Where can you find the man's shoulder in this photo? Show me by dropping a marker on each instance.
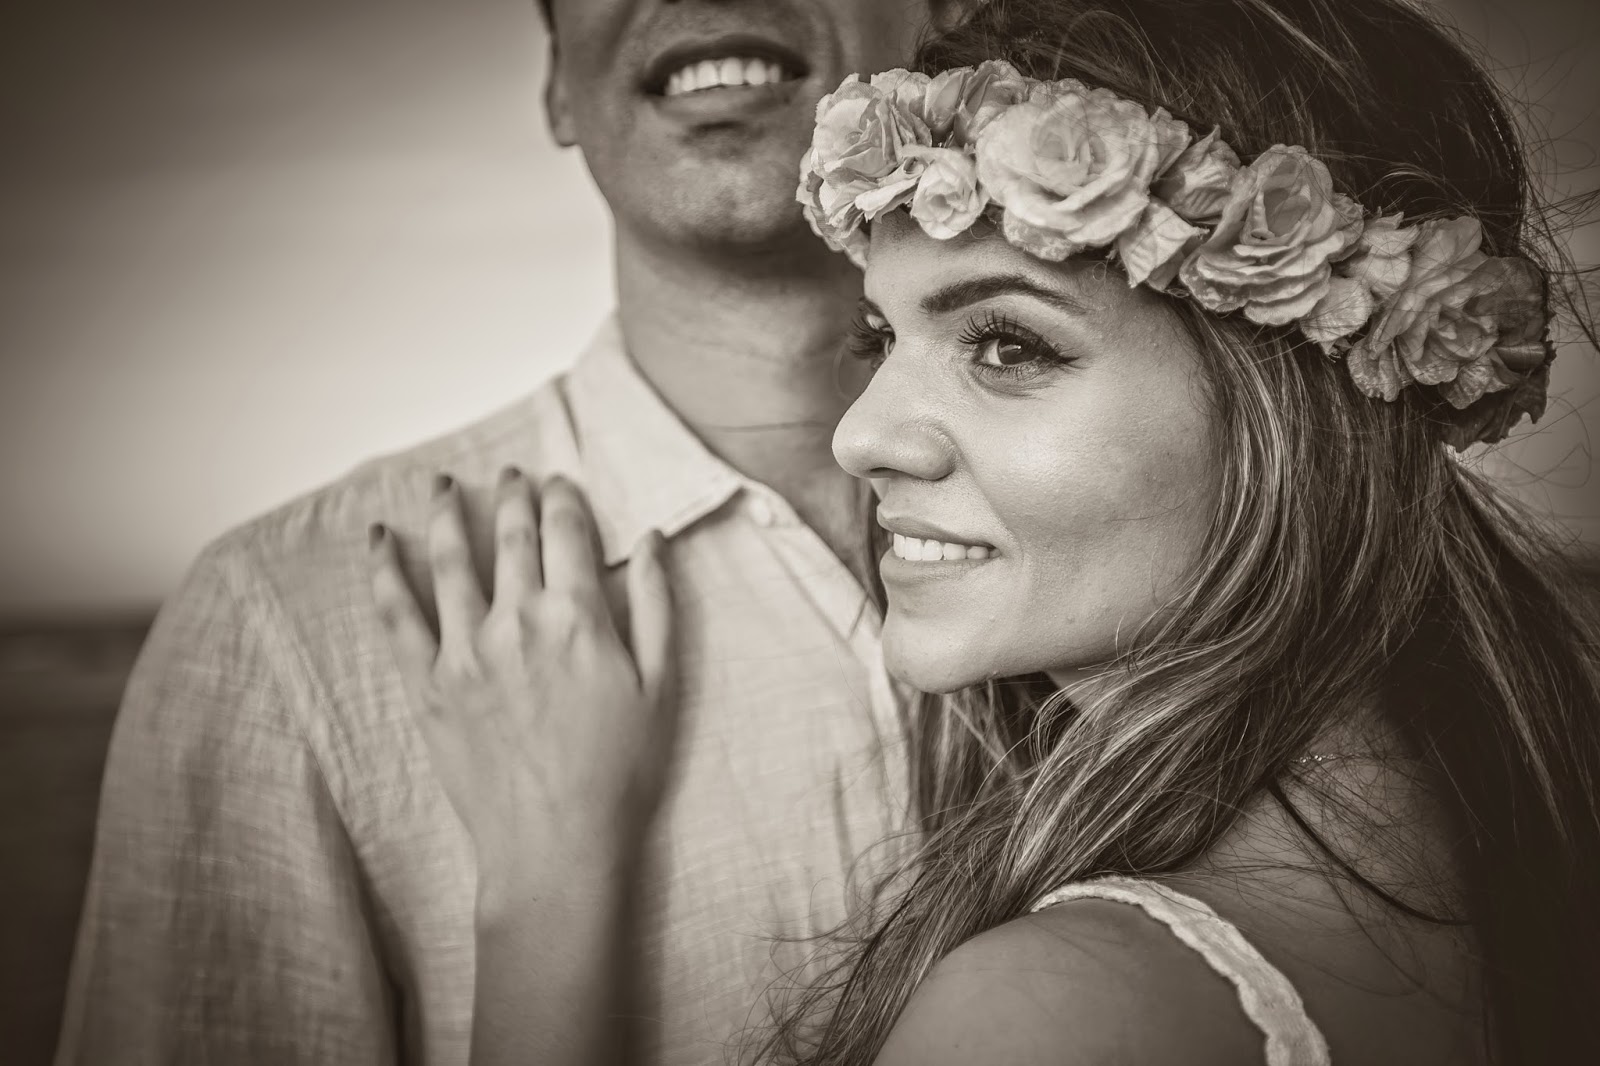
(303, 564)
(534, 432)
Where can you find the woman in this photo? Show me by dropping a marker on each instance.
(1177, 316)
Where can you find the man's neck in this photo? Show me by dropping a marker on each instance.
(749, 355)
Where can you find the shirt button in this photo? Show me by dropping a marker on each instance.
(761, 511)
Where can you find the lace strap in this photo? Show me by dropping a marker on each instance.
(1270, 1001)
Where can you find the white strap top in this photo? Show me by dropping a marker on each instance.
(1270, 1001)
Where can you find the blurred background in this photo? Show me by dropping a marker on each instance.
(244, 246)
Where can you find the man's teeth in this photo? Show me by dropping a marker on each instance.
(714, 73)
(917, 550)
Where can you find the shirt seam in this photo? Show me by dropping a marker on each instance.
(252, 595)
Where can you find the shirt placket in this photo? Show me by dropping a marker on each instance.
(839, 599)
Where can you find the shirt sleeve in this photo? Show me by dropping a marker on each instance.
(224, 920)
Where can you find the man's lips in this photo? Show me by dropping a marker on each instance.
(688, 55)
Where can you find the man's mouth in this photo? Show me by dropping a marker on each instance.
(732, 72)
(736, 61)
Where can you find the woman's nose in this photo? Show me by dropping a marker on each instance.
(890, 429)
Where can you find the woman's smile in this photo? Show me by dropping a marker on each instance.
(919, 541)
(928, 550)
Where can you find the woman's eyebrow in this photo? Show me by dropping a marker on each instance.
(969, 291)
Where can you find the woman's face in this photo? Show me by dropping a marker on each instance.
(1040, 441)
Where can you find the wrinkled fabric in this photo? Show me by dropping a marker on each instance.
(278, 877)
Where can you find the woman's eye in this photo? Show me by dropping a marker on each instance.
(1003, 347)
(1004, 351)
(871, 339)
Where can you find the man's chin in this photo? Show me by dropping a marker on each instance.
(724, 183)
(714, 215)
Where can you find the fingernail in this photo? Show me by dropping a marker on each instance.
(443, 483)
(375, 534)
(510, 473)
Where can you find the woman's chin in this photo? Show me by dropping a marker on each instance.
(929, 669)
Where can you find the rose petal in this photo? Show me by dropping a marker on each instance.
(1472, 381)
(905, 87)
(1171, 141)
(1275, 239)
(1044, 243)
(940, 100)
(1292, 299)
(948, 199)
(1510, 297)
(1197, 182)
(1343, 309)
(994, 86)
(1382, 257)
(891, 193)
(1072, 167)
(1153, 249)
(1438, 353)
(1493, 416)
(1376, 372)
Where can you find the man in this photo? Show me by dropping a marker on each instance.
(278, 876)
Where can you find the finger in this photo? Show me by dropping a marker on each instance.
(401, 617)
(455, 585)
(567, 539)
(650, 617)
(516, 539)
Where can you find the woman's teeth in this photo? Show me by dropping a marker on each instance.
(917, 550)
(715, 73)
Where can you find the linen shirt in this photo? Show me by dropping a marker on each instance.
(278, 876)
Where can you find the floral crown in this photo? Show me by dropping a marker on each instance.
(1062, 168)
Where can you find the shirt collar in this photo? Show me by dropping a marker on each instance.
(641, 466)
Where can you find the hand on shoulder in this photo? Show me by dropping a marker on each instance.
(542, 720)
(1086, 983)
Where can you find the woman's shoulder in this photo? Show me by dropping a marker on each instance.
(1086, 982)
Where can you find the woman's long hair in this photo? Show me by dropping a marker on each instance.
(1351, 553)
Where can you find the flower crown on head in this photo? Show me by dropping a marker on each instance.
(1062, 168)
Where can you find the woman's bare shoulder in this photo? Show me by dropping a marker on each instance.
(1085, 983)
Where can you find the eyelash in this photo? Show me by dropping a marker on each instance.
(991, 326)
(868, 342)
(872, 343)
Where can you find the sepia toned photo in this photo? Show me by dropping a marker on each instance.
(778, 532)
